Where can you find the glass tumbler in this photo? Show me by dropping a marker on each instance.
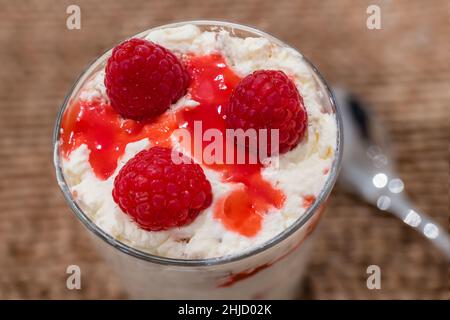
(272, 270)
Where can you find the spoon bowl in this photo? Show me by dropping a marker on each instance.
(368, 169)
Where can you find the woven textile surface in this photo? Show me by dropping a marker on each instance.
(402, 71)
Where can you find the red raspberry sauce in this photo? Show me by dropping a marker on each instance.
(106, 134)
(242, 210)
(308, 201)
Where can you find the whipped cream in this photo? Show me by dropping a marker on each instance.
(299, 173)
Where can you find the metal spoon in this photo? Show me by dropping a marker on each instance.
(368, 170)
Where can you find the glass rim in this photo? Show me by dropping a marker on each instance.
(127, 249)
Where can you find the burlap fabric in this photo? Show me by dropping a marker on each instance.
(402, 71)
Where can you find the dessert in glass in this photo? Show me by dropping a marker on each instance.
(143, 158)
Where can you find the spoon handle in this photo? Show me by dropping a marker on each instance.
(402, 208)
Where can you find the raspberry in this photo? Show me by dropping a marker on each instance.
(268, 99)
(143, 79)
(159, 194)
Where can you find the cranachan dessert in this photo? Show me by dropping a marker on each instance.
(178, 93)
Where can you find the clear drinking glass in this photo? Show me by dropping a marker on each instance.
(272, 270)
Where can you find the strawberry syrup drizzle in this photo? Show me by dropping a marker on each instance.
(308, 201)
(106, 133)
(243, 209)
